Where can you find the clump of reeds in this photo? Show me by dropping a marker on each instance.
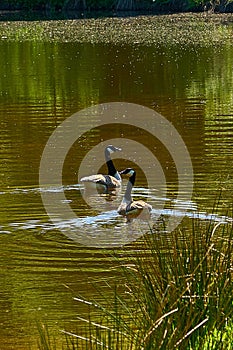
(177, 294)
(46, 343)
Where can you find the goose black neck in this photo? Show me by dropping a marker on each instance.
(129, 187)
(132, 178)
(110, 165)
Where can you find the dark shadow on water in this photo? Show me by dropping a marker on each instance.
(21, 15)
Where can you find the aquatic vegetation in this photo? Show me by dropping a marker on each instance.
(177, 293)
(182, 29)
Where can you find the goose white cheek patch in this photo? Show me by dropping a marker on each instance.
(146, 158)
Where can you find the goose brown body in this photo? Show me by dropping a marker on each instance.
(129, 207)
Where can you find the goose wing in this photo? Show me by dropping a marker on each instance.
(105, 180)
(137, 206)
(122, 209)
(98, 178)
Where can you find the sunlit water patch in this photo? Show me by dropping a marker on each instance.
(105, 228)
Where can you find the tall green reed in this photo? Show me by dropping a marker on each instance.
(177, 293)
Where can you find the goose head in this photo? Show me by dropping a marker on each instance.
(128, 172)
(111, 149)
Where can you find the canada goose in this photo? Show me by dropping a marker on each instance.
(128, 206)
(104, 183)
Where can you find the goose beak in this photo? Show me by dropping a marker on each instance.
(118, 149)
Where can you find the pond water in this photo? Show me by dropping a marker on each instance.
(43, 84)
